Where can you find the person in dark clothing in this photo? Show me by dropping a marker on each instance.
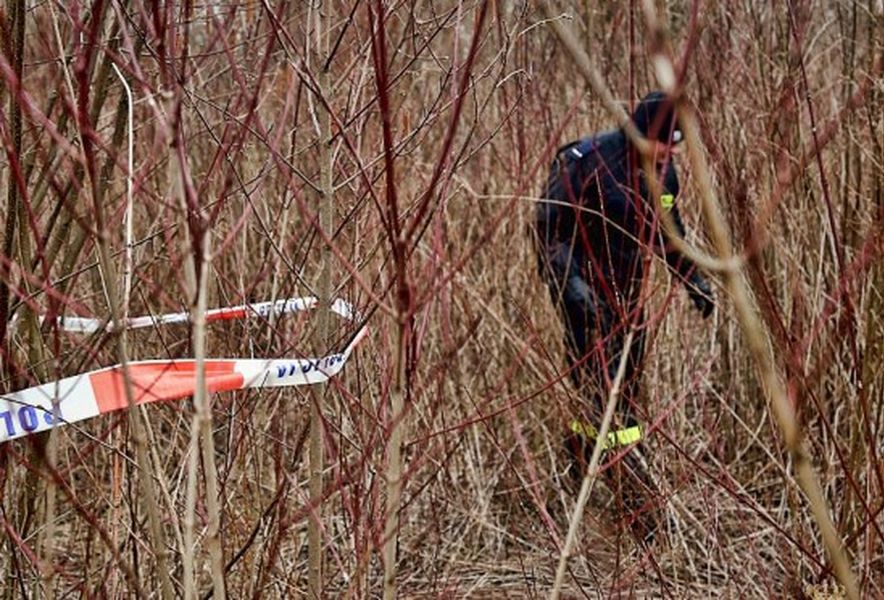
(596, 228)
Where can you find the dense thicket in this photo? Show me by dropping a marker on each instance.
(389, 153)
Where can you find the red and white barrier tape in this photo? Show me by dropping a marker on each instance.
(243, 311)
(84, 396)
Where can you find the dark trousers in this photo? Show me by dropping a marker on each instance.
(595, 335)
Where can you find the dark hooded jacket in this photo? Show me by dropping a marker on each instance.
(596, 219)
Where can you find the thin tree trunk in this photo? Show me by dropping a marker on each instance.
(201, 440)
(322, 332)
(13, 42)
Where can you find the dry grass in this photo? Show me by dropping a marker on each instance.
(431, 240)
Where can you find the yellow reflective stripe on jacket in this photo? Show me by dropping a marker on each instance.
(617, 438)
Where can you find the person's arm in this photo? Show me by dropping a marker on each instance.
(556, 224)
(697, 287)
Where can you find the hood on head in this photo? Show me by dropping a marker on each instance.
(655, 118)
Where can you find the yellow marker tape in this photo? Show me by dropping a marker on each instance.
(615, 439)
(667, 201)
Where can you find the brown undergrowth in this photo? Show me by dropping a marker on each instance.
(439, 120)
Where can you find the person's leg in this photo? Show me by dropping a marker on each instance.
(608, 340)
(630, 385)
(584, 316)
(579, 309)
(637, 494)
(596, 336)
